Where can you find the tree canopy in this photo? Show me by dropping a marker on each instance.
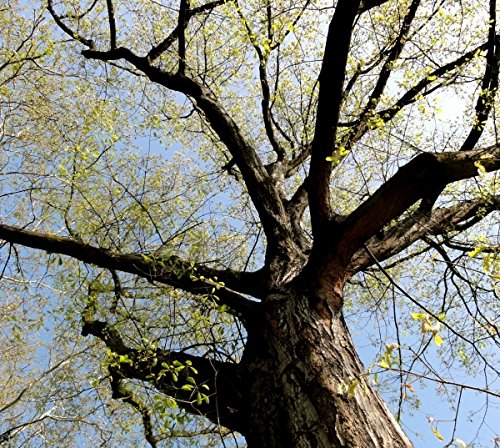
(178, 176)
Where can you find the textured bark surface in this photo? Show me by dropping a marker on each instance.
(300, 382)
(302, 367)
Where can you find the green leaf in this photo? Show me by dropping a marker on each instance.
(480, 167)
(352, 388)
(343, 151)
(438, 340)
(476, 251)
(124, 359)
(384, 364)
(437, 434)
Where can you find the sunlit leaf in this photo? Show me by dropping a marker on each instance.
(437, 434)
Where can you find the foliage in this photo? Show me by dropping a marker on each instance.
(150, 147)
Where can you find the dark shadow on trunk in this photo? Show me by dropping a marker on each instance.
(306, 384)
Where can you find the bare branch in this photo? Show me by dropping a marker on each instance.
(393, 54)
(87, 42)
(122, 392)
(263, 56)
(261, 186)
(293, 24)
(165, 44)
(450, 328)
(420, 88)
(37, 380)
(266, 111)
(448, 382)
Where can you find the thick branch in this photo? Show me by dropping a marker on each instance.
(412, 182)
(225, 388)
(366, 5)
(262, 189)
(182, 25)
(331, 80)
(112, 23)
(191, 277)
(417, 226)
(165, 44)
(298, 161)
(296, 208)
(489, 84)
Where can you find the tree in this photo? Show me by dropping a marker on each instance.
(313, 170)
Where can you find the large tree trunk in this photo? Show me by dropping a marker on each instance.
(302, 366)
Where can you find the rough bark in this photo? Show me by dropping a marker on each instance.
(300, 382)
(302, 372)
